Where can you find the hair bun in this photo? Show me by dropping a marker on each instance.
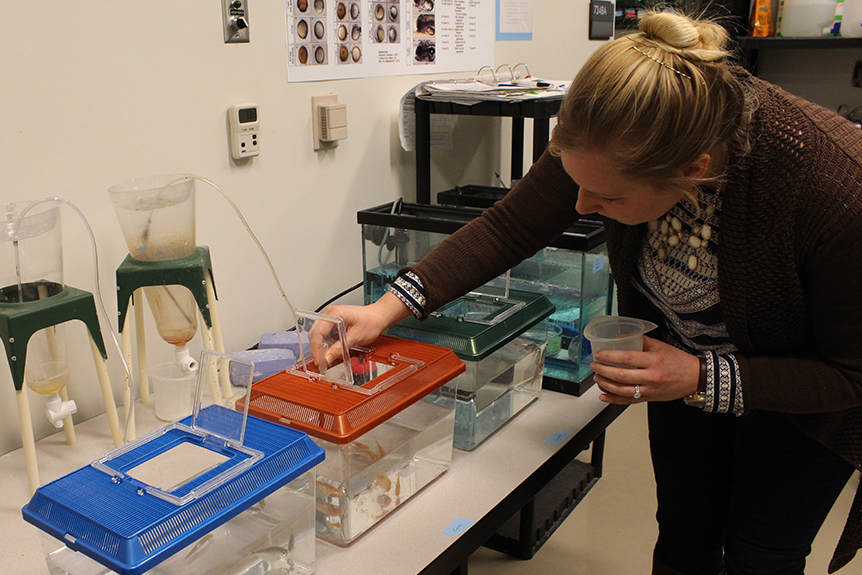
(695, 39)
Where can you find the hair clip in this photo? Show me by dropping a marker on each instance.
(661, 63)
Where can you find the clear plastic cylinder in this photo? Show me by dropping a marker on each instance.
(31, 252)
(157, 216)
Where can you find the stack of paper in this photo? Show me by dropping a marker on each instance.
(471, 91)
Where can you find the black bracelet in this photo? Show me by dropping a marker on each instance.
(704, 370)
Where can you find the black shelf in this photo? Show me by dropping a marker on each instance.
(541, 110)
(773, 42)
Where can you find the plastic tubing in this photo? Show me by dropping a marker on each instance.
(257, 243)
(17, 223)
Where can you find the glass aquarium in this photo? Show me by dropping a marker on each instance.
(573, 273)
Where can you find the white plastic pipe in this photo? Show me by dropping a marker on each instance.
(57, 410)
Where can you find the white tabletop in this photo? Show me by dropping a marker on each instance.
(404, 543)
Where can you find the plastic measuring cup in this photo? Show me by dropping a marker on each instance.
(615, 332)
(172, 390)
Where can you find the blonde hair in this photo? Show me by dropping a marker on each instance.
(656, 100)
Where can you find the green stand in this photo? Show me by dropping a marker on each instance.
(19, 321)
(191, 272)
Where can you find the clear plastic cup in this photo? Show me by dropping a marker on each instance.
(615, 332)
(172, 391)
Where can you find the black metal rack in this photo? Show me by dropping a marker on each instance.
(541, 110)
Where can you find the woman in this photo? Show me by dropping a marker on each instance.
(733, 216)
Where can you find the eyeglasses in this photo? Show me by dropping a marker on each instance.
(504, 74)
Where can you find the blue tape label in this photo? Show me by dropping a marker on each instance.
(457, 527)
(558, 437)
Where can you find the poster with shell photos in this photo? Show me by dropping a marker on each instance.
(338, 39)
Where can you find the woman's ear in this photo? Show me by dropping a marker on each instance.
(696, 170)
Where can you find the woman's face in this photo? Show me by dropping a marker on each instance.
(610, 194)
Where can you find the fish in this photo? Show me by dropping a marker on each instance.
(384, 500)
(383, 482)
(327, 490)
(328, 509)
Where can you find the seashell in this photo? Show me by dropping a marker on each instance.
(319, 30)
(343, 53)
(696, 230)
(662, 254)
(379, 12)
(653, 225)
(710, 210)
(342, 32)
(664, 228)
(341, 10)
(692, 262)
(356, 53)
(303, 55)
(393, 34)
(302, 5)
(706, 232)
(302, 29)
(673, 240)
(694, 242)
(381, 34)
(677, 225)
(319, 55)
(393, 12)
(318, 6)
(354, 10)
(356, 32)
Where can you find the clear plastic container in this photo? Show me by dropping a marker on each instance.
(618, 333)
(31, 252)
(216, 493)
(573, 273)
(275, 535)
(157, 216)
(502, 342)
(386, 423)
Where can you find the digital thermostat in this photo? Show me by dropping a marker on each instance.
(243, 124)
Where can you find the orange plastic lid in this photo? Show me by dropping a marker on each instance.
(389, 376)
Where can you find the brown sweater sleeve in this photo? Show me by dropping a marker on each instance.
(534, 213)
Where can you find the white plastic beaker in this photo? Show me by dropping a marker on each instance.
(807, 18)
(172, 388)
(617, 333)
(851, 20)
(157, 216)
(31, 252)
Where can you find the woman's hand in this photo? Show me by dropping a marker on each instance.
(661, 372)
(363, 323)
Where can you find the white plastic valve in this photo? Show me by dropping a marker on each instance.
(57, 410)
(184, 360)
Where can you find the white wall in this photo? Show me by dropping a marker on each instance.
(99, 93)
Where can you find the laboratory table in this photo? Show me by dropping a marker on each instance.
(434, 533)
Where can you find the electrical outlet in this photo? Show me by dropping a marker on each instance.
(235, 19)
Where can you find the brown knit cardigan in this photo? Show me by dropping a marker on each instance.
(790, 267)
